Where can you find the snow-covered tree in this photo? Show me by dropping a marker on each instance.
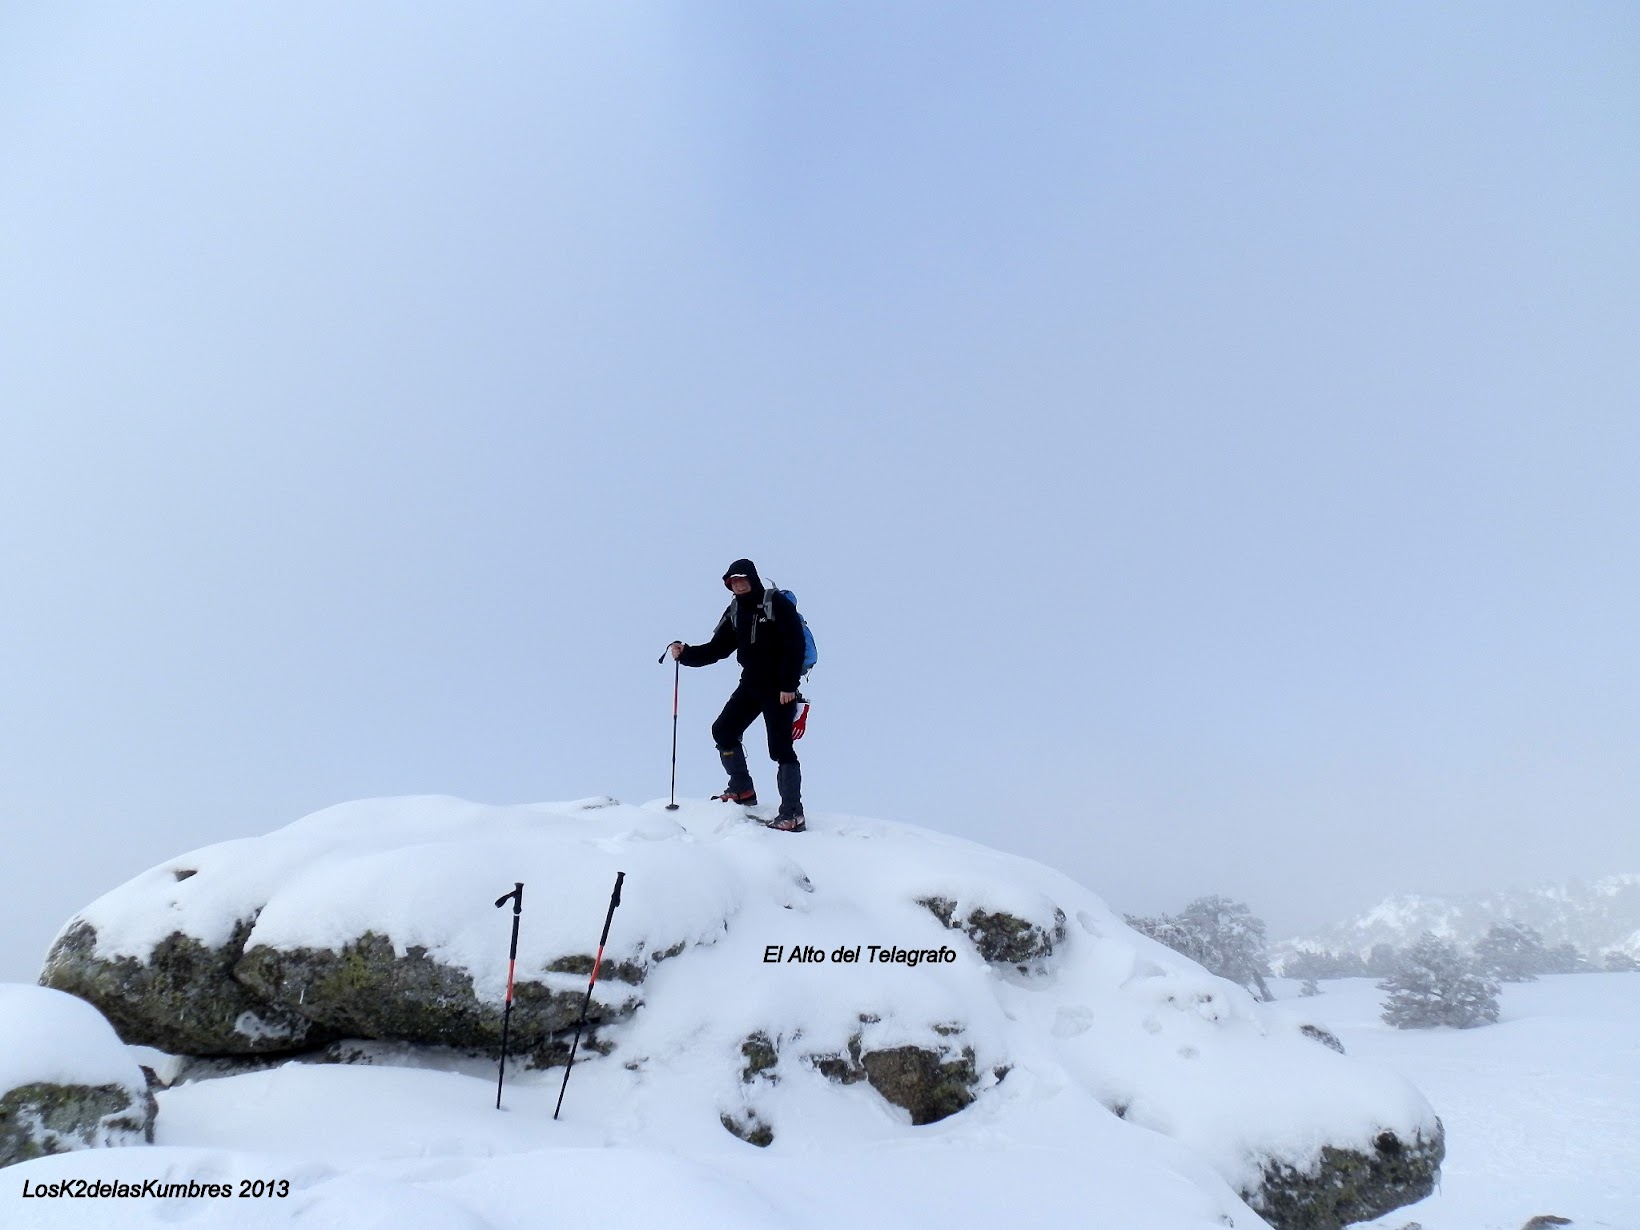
(1324, 964)
(1217, 933)
(1511, 952)
(1565, 959)
(1382, 960)
(1170, 930)
(1435, 984)
(1622, 963)
(1308, 988)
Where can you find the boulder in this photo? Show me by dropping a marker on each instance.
(748, 1126)
(367, 934)
(66, 1080)
(1001, 938)
(931, 1082)
(374, 921)
(45, 1117)
(182, 998)
(1324, 1036)
(368, 989)
(1344, 1186)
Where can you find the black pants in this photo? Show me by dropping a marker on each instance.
(742, 708)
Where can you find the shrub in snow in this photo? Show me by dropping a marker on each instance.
(1219, 934)
(1308, 988)
(1511, 952)
(66, 1080)
(1436, 985)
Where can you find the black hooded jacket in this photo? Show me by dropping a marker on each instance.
(766, 637)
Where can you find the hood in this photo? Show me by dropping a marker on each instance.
(745, 568)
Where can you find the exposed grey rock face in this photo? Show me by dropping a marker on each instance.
(366, 990)
(931, 1083)
(183, 1000)
(748, 1127)
(1326, 1037)
(761, 1058)
(42, 1118)
(190, 999)
(1348, 1185)
(1001, 938)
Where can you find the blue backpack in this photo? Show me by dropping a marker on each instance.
(811, 655)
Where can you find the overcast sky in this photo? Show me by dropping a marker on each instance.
(1203, 437)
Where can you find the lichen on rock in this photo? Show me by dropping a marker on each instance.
(762, 1057)
(748, 1127)
(42, 1118)
(1001, 938)
(183, 999)
(367, 989)
(1344, 1186)
(931, 1083)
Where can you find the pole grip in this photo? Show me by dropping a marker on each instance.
(614, 901)
(516, 897)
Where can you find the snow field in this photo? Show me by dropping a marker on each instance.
(1542, 1109)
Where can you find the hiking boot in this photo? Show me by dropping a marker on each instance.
(788, 824)
(790, 777)
(740, 789)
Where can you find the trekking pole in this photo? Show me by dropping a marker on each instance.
(677, 668)
(614, 900)
(517, 898)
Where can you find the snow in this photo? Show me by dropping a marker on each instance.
(1539, 1110)
(1207, 1083)
(413, 869)
(426, 1151)
(1542, 1110)
(48, 1037)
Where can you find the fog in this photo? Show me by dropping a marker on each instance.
(1202, 440)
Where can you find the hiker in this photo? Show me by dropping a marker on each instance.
(764, 631)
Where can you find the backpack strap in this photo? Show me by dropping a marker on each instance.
(766, 606)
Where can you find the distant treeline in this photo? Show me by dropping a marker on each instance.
(1510, 951)
(1228, 939)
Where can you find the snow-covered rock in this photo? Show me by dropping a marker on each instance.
(66, 1080)
(763, 982)
(368, 921)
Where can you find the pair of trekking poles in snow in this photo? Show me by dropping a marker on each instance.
(517, 898)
